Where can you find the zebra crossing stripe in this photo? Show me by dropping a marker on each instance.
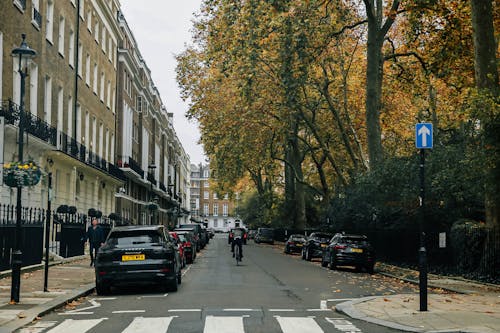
(298, 325)
(76, 326)
(218, 324)
(147, 325)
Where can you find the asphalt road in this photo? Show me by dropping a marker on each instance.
(269, 292)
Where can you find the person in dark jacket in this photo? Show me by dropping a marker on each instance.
(95, 236)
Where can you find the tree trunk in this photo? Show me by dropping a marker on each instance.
(486, 74)
(487, 82)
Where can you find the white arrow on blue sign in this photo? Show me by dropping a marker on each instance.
(423, 135)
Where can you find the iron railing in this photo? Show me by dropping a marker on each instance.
(162, 187)
(151, 178)
(129, 162)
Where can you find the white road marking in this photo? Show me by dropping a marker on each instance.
(322, 304)
(152, 296)
(240, 310)
(339, 299)
(184, 310)
(105, 299)
(343, 325)
(71, 313)
(147, 325)
(224, 324)
(298, 325)
(129, 311)
(281, 310)
(186, 270)
(38, 327)
(315, 310)
(76, 326)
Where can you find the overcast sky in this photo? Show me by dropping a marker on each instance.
(162, 29)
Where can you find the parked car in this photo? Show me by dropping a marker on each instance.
(137, 255)
(313, 247)
(295, 243)
(205, 235)
(264, 235)
(231, 235)
(251, 233)
(189, 245)
(200, 240)
(211, 232)
(194, 237)
(180, 246)
(349, 250)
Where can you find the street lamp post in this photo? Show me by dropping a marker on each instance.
(23, 53)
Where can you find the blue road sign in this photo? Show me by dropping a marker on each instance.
(423, 135)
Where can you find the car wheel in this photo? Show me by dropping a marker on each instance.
(287, 250)
(370, 269)
(102, 288)
(173, 285)
(303, 254)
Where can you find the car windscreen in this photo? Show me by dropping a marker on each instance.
(359, 240)
(133, 238)
(322, 237)
(267, 232)
(297, 238)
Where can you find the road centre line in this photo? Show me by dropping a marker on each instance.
(184, 310)
(314, 310)
(281, 310)
(240, 310)
(339, 299)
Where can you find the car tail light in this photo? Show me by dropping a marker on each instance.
(187, 244)
(101, 273)
(339, 247)
(165, 270)
(292, 243)
(245, 236)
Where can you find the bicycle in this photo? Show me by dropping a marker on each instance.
(237, 254)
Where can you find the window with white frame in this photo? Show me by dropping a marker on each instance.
(49, 21)
(103, 41)
(94, 84)
(101, 95)
(71, 48)
(225, 209)
(47, 104)
(113, 101)
(215, 196)
(108, 95)
(216, 209)
(62, 22)
(36, 16)
(206, 195)
(206, 184)
(82, 8)
(87, 70)
(226, 196)
(80, 60)
(205, 209)
(96, 31)
(89, 20)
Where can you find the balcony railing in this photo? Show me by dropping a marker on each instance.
(162, 187)
(40, 129)
(129, 162)
(31, 123)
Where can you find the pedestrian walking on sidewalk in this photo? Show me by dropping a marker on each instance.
(95, 236)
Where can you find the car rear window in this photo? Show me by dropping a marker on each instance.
(182, 238)
(131, 238)
(322, 237)
(354, 240)
(267, 232)
(298, 238)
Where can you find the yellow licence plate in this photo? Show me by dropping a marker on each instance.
(357, 250)
(130, 257)
(324, 245)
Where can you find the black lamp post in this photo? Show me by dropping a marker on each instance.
(24, 53)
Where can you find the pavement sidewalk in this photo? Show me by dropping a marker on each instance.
(68, 280)
(454, 305)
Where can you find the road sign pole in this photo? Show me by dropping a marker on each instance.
(422, 252)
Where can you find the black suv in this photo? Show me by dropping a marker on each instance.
(349, 250)
(138, 255)
(313, 247)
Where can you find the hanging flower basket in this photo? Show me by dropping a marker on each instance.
(21, 174)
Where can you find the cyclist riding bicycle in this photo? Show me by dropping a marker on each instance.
(238, 240)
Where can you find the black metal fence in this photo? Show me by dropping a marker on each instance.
(66, 234)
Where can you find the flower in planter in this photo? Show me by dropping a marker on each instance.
(21, 174)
